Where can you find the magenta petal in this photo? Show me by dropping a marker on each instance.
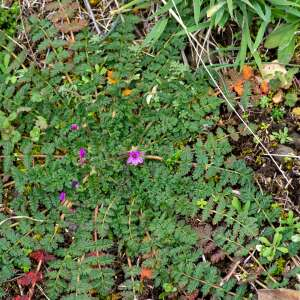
(82, 153)
(62, 196)
(140, 160)
(74, 127)
(135, 158)
(130, 161)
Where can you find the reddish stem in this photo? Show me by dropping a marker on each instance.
(31, 290)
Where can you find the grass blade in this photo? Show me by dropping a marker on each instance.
(230, 7)
(281, 35)
(129, 5)
(260, 35)
(197, 6)
(165, 8)
(243, 50)
(194, 28)
(285, 54)
(284, 3)
(156, 32)
(214, 9)
(248, 3)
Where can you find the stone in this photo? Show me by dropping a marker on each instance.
(296, 140)
(278, 97)
(283, 151)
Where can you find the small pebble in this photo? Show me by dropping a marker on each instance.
(284, 151)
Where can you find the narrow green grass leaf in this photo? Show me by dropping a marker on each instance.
(219, 16)
(230, 7)
(156, 32)
(284, 3)
(248, 3)
(281, 35)
(197, 7)
(170, 4)
(131, 4)
(246, 32)
(194, 28)
(243, 51)
(257, 8)
(214, 9)
(260, 35)
(285, 54)
(293, 11)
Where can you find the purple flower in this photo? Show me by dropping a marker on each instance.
(135, 158)
(62, 196)
(74, 127)
(75, 184)
(82, 155)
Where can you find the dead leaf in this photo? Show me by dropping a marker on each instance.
(269, 70)
(296, 111)
(75, 26)
(135, 10)
(264, 87)
(116, 296)
(238, 87)
(247, 72)
(278, 294)
(191, 296)
(30, 278)
(146, 273)
(217, 256)
(41, 255)
(278, 97)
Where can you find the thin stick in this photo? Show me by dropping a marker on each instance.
(96, 211)
(154, 157)
(131, 277)
(231, 272)
(208, 283)
(8, 184)
(26, 36)
(31, 291)
(34, 155)
(283, 155)
(20, 217)
(42, 291)
(91, 14)
(242, 269)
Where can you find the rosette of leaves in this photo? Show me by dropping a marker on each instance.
(124, 218)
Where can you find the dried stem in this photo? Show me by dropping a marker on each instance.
(91, 14)
(31, 290)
